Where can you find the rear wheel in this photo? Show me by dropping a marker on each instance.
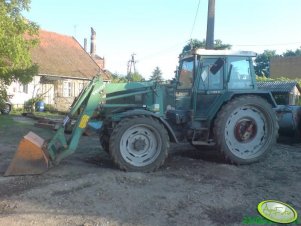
(139, 144)
(6, 109)
(245, 129)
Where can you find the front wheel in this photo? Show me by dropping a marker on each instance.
(245, 129)
(139, 143)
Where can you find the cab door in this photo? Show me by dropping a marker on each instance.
(209, 87)
(185, 84)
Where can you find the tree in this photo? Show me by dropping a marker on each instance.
(195, 43)
(156, 75)
(135, 77)
(117, 78)
(17, 37)
(262, 63)
(289, 53)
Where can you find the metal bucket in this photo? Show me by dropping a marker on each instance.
(30, 157)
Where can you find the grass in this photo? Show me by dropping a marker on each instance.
(6, 120)
(46, 114)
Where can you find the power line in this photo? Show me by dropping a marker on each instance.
(196, 14)
(165, 50)
(275, 44)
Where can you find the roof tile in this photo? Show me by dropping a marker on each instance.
(61, 55)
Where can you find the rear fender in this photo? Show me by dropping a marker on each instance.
(265, 95)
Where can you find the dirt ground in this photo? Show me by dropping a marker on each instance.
(190, 189)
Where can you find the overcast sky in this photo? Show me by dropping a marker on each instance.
(157, 30)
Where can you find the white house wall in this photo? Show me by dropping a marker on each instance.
(22, 93)
(59, 92)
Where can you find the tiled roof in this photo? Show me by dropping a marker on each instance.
(278, 86)
(61, 55)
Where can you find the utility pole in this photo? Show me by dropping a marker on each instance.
(131, 64)
(210, 25)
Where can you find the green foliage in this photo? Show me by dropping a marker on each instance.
(17, 37)
(17, 111)
(263, 79)
(156, 75)
(132, 77)
(2, 104)
(283, 79)
(135, 77)
(30, 104)
(289, 53)
(117, 78)
(262, 63)
(195, 44)
(50, 108)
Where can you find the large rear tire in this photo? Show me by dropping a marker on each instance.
(245, 129)
(139, 143)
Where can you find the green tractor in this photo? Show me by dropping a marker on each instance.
(213, 101)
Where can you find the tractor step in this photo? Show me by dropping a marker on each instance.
(203, 143)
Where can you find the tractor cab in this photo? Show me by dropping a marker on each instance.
(205, 75)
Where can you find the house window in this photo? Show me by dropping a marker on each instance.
(67, 89)
(80, 87)
(25, 88)
(22, 88)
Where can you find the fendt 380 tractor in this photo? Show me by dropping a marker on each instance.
(212, 101)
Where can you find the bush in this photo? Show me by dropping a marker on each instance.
(50, 108)
(31, 103)
(17, 110)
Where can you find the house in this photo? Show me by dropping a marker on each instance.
(283, 92)
(64, 69)
(289, 67)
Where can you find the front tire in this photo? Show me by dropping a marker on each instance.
(245, 129)
(139, 143)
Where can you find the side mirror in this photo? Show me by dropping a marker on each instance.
(218, 64)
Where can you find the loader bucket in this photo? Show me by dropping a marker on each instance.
(30, 157)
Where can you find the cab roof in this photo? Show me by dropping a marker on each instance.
(211, 52)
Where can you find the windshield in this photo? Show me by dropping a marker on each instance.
(186, 74)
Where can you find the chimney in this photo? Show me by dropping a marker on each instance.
(85, 44)
(93, 43)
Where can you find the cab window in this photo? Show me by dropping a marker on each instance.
(239, 73)
(186, 74)
(209, 80)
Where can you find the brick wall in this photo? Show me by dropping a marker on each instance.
(289, 67)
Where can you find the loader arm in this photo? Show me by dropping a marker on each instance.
(59, 146)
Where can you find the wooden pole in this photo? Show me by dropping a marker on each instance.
(210, 25)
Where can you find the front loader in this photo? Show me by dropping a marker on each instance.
(213, 101)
